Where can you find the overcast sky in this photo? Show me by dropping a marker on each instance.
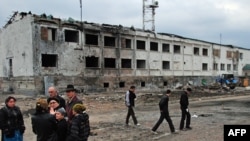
(218, 21)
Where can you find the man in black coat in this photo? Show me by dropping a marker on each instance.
(163, 105)
(53, 93)
(130, 103)
(184, 109)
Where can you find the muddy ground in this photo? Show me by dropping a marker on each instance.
(210, 110)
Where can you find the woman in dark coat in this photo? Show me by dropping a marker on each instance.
(79, 130)
(62, 124)
(43, 123)
(11, 121)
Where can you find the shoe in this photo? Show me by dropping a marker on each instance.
(175, 132)
(189, 128)
(183, 129)
(138, 124)
(154, 132)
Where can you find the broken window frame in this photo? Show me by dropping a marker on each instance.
(126, 63)
(205, 52)
(93, 63)
(108, 64)
(68, 36)
(216, 52)
(126, 43)
(140, 64)
(229, 54)
(48, 61)
(109, 41)
(94, 40)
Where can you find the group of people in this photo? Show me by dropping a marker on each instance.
(54, 119)
(164, 112)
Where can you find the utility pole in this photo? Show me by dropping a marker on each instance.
(148, 11)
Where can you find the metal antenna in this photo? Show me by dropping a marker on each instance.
(149, 13)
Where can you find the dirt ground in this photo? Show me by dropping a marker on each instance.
(107, 116)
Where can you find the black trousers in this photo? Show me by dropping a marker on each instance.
(131, 113)
(184, 115)
(164, 115)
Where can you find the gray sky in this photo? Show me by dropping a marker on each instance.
(198, 19)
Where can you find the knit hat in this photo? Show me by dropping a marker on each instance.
(62, 111)
(42, 104)
(79, 108)
(53, 98)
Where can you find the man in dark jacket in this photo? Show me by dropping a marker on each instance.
(130, 103)
(54, 94)
(184, 109)
(163, 105)
(72, 100)
(43, 123)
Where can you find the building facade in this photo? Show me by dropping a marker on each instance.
(39, 50)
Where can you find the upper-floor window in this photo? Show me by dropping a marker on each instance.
(140, 44)
(91, 39)
(48, 34)
(216, 52)
(196, 51)
(205, 52)
(126, 43)
(177, 49)
(140, 64)
(109, 41)
(154, 46)
(165, 48)
(229, 54)
(215, 66)
(165, 65)
(71, 36)
(204, 66)
(222, 66)
(92, 62)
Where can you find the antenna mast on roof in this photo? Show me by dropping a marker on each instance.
(149, 13)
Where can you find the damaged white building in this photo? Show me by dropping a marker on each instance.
(37, 51)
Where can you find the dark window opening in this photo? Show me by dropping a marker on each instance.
(126, 63)
(205, 52)
(204, 66)
(126, 43)
(105, 85)
(165, 83)
(141, 64)
(140, 44)
(91, 39)
(143, 84)
(92, 62)
(165, 48)
(71, 36)
(109, 62)
(196, 51)
(49, 60)
(122, 84)
(215, 66)
(177, 49)
(153, 46)
(166, 65)
(11, 68)
(109, 41)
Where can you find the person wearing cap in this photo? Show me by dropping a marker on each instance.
(43, 123)
(11, 121)
(54, 104)
(62, 125)
(72, 100)
(163, 105)
(53, 93)
(184, 109)
(79, 130)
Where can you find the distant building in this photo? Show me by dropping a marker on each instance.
(40, 50)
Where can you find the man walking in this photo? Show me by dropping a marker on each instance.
(130, 103)
(163, 105)
(184, 109)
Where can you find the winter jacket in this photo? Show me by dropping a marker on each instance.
(61, 131)
(69, 107)
(163, 104)
(184, 100)
(44, 126)
(79, 129)
(130, 98)
(11, 119)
